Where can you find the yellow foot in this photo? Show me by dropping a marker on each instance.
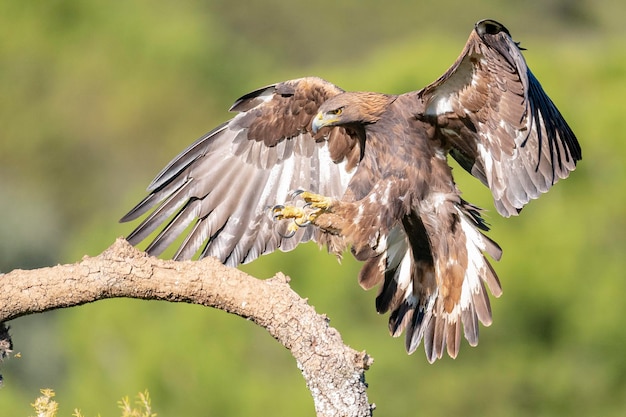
(302, 216)
(314, 200)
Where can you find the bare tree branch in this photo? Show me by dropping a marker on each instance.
(334, 372)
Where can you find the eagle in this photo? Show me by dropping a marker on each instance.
(305, 160)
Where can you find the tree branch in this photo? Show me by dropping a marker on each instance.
(334, 372)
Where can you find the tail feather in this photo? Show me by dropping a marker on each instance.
(397, 272)
(480, 306)
(433, 289)
(470, 325)
(453, 337)
(372, 273)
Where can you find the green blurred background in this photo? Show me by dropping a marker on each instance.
(96, 97)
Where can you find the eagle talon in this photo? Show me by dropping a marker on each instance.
(301, 216)
(296, 193)
(288, 235)
(314, 206)
(277, 212)
(307, 222)
(313, 200)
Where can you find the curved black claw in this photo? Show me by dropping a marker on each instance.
(295, 193)
(276, 215)
(306, 223)
(289, 235)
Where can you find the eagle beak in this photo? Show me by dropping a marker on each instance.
(324, 120)
(318, 123)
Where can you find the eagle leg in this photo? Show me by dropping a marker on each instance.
(314, 206)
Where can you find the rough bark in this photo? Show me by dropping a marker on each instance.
(334, 373)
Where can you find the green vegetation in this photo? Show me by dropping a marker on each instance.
(96, 97)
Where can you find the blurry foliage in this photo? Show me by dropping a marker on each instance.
(98, 96)
(45, 406)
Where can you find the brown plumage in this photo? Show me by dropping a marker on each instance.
(381, 161)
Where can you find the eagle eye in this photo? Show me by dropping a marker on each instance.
(336, 112)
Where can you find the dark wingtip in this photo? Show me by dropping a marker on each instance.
(250, 100)
(142, 207)
(490, 27)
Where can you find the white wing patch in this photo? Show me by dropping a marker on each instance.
(447, 93)
(439, 105)
(328, 176)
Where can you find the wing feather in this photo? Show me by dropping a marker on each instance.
(227, 180)
(501, 125)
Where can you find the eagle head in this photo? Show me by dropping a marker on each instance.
(352, 108)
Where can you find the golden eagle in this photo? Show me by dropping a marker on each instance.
(304, 160)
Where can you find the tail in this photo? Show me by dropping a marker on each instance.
(433, 273)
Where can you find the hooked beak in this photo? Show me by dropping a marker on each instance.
(320, 121)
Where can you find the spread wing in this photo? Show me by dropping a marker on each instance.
(226, 181)
(501, 125)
